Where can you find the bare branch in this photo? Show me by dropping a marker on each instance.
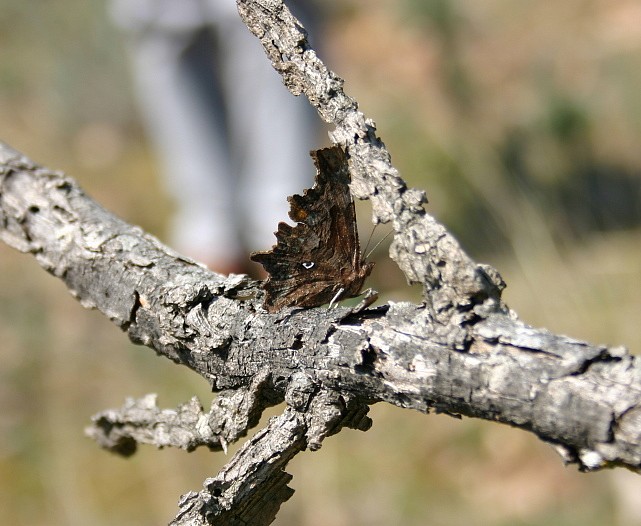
(496, 368)
(188, 427)
(422, 247)
(250, 488)
(253, 485)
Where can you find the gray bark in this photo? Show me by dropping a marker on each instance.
(461, 351)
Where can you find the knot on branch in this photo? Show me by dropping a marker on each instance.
(326, 411)
(253, 485)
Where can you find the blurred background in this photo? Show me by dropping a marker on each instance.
(521, 120)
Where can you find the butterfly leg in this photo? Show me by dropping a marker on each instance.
(336, 297)
(369, 297)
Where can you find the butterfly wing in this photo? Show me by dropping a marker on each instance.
(320, 257)
(294, 276)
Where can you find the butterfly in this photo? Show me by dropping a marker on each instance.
(319, 260)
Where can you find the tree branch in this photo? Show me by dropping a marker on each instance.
(462, 352)
(422, 247)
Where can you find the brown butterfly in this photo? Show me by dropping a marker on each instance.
(319, 260)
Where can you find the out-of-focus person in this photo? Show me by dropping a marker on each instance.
(232, 141)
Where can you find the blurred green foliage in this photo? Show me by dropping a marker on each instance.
(522, 121)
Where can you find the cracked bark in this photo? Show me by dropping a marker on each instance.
(462, 351)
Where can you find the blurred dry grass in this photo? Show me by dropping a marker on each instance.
(522, 120)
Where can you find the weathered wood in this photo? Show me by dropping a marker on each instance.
(580, 397)
(462, 351)
(422, 247)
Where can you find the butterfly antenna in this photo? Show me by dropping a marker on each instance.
(377, 244)
(369, 238)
